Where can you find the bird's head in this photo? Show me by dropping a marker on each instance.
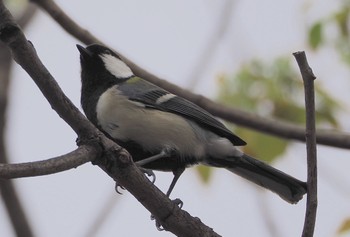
(99, 61)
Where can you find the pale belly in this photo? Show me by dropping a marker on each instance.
(154, 130)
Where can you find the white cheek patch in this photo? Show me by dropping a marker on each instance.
(116, 66)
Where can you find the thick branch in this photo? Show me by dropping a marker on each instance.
(9, 194)
(311, 204)
(267, 125)
(11, 34)
(71, 160)
(116, 161)
(171, 217)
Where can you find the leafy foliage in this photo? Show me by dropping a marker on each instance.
(271, 90)
(340, 40)
(275, 90)
(316, 35)
(344, 227)
(204, 173)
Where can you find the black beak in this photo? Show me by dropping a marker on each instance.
(84, 52)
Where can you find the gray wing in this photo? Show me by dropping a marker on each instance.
(157, 98)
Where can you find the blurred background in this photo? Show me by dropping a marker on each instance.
(236, 52)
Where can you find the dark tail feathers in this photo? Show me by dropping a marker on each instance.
(286, 186)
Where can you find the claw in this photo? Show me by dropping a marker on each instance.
(117, 186)
(178, 202)
(159, 226)
(149, 173)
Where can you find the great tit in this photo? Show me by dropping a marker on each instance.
(163, 131)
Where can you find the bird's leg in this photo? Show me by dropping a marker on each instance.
(148, 172)
(163, 153)
(177, 173)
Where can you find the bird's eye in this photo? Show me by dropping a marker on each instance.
(107, 52)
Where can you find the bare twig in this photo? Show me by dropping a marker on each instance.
(66, 22)
(267, 125)
(116, 162)
(311, 203)
(27, 15)
(100, 216)
(267, 218)
(71, 160)
(205, 57)
(15, 210)
(9, 194)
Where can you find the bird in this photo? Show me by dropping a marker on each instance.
(163, 131)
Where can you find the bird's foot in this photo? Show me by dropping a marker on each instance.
(117, 187)
(148, 172)
(178, 202)
(159, 226)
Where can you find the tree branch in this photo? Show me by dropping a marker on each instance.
(311, 204)
(116, 162)
(15, 210)
(100, 217)
(240, 117)
(211, 45)
(9, 194)
(81, 155)
(66, 22)
(27, 15)
(171, 217)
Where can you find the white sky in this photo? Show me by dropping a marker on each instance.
(167, 38)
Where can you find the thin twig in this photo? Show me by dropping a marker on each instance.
(9, 194)
(100, 216)
(64, 20)
(27, 16)
(17, 214)
(80, 156)
(240, 117)
(311, 203)
(206, 56)
(265, 210)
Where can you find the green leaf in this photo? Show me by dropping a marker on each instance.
(272, 90)
(344, 227)
(262, 146)
(315, 35)
(204, 173)
(341, 19)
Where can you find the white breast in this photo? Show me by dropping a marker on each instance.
(153, 129)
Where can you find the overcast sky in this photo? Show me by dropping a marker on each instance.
(168, 38)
